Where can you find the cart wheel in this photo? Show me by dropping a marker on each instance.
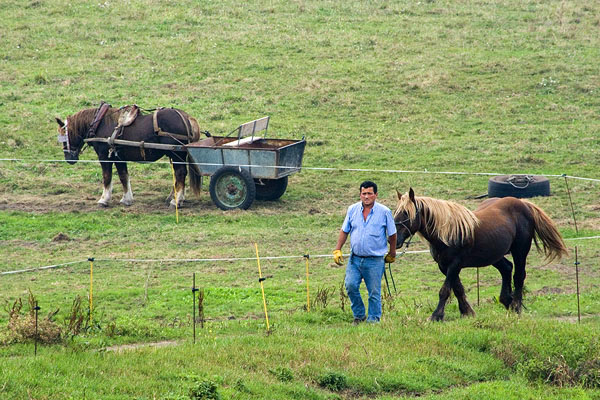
(270, 189)
(231, 187)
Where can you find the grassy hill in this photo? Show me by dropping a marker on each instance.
(423, 87)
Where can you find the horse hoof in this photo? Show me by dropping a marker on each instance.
(436, 318)
(102, 204)
(126, 203)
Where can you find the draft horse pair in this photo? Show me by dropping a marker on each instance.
(459, 238)
(106, 124)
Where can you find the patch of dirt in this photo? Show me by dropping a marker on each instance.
(548, 290)
(135, 346)
(70, 203)
(574, 318)
(61, 237)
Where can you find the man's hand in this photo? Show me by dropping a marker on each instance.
(338, 257)
(390, 258)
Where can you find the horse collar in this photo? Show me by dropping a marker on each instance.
(100, 113)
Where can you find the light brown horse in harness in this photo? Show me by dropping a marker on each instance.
(108, 126)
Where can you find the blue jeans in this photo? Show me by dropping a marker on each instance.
(371, 270)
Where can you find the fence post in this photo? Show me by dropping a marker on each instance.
(571, 202)
(91, 260)
(261, 279)
(175, 193)
(307, 256)
(577, 280)
(35, 339)
(477, 286)
(194, 290)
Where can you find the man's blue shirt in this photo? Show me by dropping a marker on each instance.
(369, 238)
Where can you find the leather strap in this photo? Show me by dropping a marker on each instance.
(177, 136)
(100, 113)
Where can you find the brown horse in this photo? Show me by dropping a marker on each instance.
(459, 238)
(107, 124)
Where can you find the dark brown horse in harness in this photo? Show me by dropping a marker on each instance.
(125, 134)
(459, 238)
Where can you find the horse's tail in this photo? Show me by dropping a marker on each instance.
(547, 232)
(195, 177)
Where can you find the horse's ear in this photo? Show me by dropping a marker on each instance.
(411, 195)
(399, 194)
(60, 123)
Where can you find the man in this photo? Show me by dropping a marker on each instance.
(371, 227)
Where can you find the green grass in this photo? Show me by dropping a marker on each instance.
(488, 86)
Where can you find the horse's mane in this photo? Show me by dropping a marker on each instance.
(450, 222)
(79, 123)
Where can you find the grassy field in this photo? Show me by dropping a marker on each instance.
(496, 87)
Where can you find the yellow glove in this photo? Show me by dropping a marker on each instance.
(338, 257)
(390, 258)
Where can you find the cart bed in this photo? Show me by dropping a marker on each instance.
(263, 158)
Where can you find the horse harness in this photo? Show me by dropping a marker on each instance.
(403, 223)
(128, 114)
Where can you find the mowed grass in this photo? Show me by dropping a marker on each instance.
(435, 86)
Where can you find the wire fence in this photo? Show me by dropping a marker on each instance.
(309, 168)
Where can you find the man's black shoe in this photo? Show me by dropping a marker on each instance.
(359, 320)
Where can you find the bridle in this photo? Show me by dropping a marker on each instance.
(66, 141)
(403, 224)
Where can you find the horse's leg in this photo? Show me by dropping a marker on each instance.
(519, 280)
(106, 183)
(461, 296)
(505, 268)
(179, 194)
(519, 253)
(445, 291)
(124, 177)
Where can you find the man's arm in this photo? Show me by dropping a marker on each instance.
(341, 240)
(337, 253)
(392, 242)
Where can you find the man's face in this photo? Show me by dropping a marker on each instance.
(367, 196)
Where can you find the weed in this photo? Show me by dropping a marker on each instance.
(23, 328)
(344, 299)
(588, 373)
(322, 297)
(333, 381)
(77, 318)
(205, 390)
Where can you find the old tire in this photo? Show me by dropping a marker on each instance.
(231, 187)
(519, 186)
(270, 189)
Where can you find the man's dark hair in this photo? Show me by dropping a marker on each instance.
(368, 184)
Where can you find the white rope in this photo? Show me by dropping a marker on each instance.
(190, 260)
(395, 171)
(40, 268)
(175, 260)
(584, 238)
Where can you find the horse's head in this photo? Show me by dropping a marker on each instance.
(406, 217)
(71, 142)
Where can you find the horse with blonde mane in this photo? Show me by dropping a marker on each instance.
(459, 238)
